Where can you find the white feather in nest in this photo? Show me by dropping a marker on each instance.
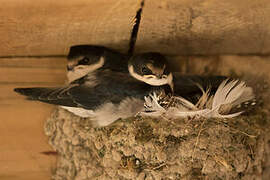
(228, 95)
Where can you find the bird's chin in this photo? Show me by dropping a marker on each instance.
(161, 81)
(156, 81)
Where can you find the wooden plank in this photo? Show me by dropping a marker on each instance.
(207, 27)
(21, 131)
(32, 70)
(29, 75)
(28, 62)
(50, 27)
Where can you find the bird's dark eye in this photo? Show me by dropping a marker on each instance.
(145, 70)
(85, 60)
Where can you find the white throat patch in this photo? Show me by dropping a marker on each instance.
(154, 81)
(81, 70)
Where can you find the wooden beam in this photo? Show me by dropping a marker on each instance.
(49, 27)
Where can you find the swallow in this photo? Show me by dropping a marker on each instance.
(151, 68)
(83, 59)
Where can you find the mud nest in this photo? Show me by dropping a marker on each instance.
(146, 148)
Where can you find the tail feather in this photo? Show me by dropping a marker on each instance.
(47, 95)
(33, 93)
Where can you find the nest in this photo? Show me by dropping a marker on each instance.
(158, 148)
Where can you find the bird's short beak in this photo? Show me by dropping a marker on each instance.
(159, 76)
(70, 68)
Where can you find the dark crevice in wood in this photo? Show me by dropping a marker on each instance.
(35, 56)
(31, 67)
(49, 153)
(172, 55)
(215, 54)
(135, 30)
(30, 83)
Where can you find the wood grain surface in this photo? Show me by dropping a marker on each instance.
(21, 130)
(173, 27)
(48, 27)
(207, 27)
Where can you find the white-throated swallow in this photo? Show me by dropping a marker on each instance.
(83, 59)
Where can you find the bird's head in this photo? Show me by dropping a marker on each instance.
(151, 68)
(83, 59)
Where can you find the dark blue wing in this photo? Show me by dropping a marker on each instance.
(85, 92)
